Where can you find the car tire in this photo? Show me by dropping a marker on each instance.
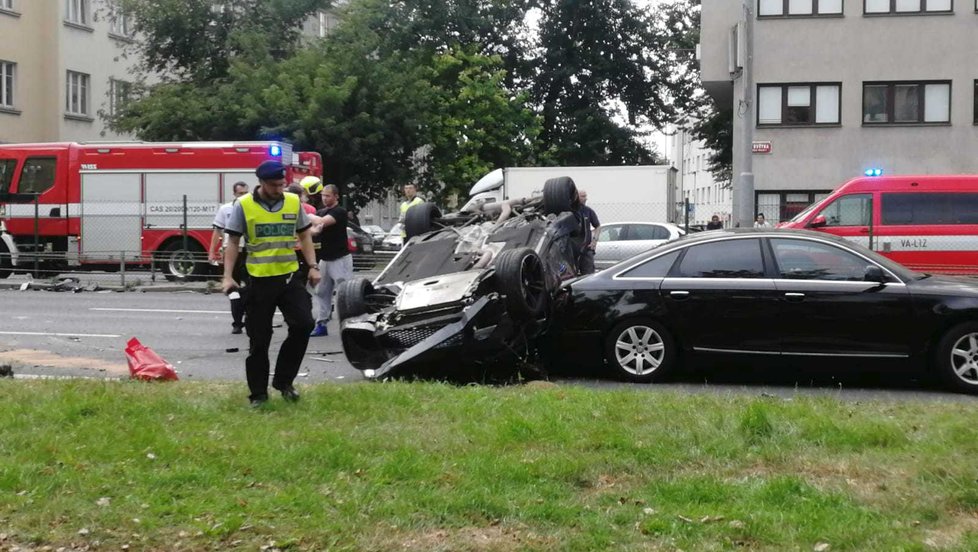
(641, 350)
(419, 219)
(559, 195)
(6, 261)
(957, 358)
(351, 298)
(183, 265)
(520, 277)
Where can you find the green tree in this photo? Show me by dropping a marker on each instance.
(197, 40)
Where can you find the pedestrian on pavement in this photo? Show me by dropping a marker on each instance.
(215, 255)
(590, 224)
(270, 219)
(714, 223)
(335, 260)
(411, 199)
(759, 221)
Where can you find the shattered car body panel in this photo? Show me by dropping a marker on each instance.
(477, 290)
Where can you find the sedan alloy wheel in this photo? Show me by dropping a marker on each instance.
(640, 351)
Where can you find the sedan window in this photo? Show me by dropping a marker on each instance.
(647, 232)
(655, 268)
(723, 259)
(609, 233)
(808, 260)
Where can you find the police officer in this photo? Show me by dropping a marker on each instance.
(270, 219)
(410, 200)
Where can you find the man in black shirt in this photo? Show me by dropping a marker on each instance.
(590, 225)
(335, 261)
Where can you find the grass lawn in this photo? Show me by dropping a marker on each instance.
(398, 466)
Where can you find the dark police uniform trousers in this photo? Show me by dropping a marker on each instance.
(265, 294)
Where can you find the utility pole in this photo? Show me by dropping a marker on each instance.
(744, 196)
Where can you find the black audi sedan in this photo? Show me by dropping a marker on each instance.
(787, 293)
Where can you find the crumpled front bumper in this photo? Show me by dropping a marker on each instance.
(456, 339)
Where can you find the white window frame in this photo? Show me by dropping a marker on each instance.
(7, 5)
(77, 11)
(116, 86)
(894, 7)
(816, 90)
(8, 83)
(790, 8)
(77, 93)
(121, 24)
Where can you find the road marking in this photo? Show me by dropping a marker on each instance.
(60, 334)
(161, 310)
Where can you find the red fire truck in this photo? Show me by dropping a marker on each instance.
(85, 205)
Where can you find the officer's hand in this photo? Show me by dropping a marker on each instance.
(214, 256)
(314, 278)
(228, 284)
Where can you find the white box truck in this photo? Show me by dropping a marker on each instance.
(616, 193)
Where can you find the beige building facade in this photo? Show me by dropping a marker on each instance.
(845, 86)
(62, 67)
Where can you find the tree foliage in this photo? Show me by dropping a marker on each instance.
(436, 92)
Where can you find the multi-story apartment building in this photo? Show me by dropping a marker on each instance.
(694, 182)
(842, 87)
(61, 66)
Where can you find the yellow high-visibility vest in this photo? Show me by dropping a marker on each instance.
(271, 236)
(405, 205)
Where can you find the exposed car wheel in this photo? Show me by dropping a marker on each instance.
(182, 265)
(957, 358)
(641, 351)
(520, 277)
(351, 298)
(559, 195)
(6, 262)
(419, 219)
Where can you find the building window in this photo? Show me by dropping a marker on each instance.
(76, 94)
(781, 206)
(906, 102)
(121, 24)
(120, 93)
(7, 5)
(798, 8)
(975, 112)
(7, 70)
(327, 22)
(908, 6)
(76, 11)
(799, 104)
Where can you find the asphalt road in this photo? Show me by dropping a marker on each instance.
(45, 333)
(84, 334)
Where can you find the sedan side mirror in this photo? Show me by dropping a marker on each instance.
(817, 222)
(874, 274)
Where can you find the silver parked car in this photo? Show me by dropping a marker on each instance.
(618, 241)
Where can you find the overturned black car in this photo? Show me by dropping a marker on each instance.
(469, 289)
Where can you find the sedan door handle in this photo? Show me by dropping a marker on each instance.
(679, 294)
(794, 296)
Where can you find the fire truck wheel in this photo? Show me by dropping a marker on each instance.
(6, 264)
(181, 265)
